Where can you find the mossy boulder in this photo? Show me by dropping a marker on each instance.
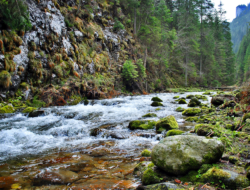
(192, 119)
(150, 115)
(166, 123)
(231, 179)
(189, 96)
(156, 99)
(191, 112)
(194, 102)
(29, 109)
(207, 93)
(146, 153)
(182, 101)
(156, 104)
(7, 109)
(144, 125)
(180, 154)
(179, 109)
(229, 104)
(205, 129)
(174, 132)
(233, 159)
(220, 99)
(150, 177)
(200, 97)
(176, 97)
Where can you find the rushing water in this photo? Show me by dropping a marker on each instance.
(66, 131)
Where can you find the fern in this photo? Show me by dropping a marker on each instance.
(129, 71)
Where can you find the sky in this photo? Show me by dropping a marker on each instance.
(230, 7)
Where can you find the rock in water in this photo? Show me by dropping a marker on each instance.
(180, 154)
(166, 123)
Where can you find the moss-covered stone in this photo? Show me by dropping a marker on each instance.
(146, 153)
(166, 123)
(29, 109)
(156, 104)
(231, 179)
(207, 93)
(176, 97)
(157, 109)
(174, 132)
(150, 115)
(233, 159)
(194, 102)
(191, 112)
(144, 125)
(7, 109)
(246, 116)
(190, 177)
(182, 101)
(156, 99)
(150, 177)
(190, 96)
(179, 109)
(192, 119)
(200, 97)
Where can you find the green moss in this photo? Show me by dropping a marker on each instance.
(174, 132)
(205, 129)
(166, 123)
(29, 109)
(207, 93)
(229, 126)
(179, 109)
(201, 97)
(233, 159)
(190, 177)
(204, 168)
(146, 153)
(194, 102)
(76, 100)
(5, 79)
(248, 172)
(156, 104)
(7, 109)
(246, 116)
(192, 119)
(156, 99)
(157, 109)
(144, 125)
(182, 101)
(176, 97)
(215, 175)
(190, 96)
(150, 177)
(150, 115)
(191, 112)
(24, 85)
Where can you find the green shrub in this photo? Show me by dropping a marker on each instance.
(15, 14)
(129, 71)
(118, 25)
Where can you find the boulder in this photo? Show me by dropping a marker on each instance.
(192, 119)
(29, 109)
(194, 102)
(191, 112)
(231, 179)
(180, 154)
(156, 99)
(36, 113)
(176, 97)
(146, 153)
(150, 115)
(7, 109)
(182, 101)
(144, 125)
(174, 132)
(205, 129)
(180, 109)
(156, 104)
(166, 123)
(219, 99)
(55, 177)
(190, 96)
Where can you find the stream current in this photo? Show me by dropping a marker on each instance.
(94, 138)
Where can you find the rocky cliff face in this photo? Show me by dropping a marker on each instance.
(71, 50)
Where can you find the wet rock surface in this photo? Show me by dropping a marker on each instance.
(180, 154)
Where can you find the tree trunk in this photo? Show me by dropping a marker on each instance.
(145, 58)
(134, 22)
(186, 72)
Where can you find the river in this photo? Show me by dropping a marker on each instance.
(93, 142)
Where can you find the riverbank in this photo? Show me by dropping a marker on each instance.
(92, 144)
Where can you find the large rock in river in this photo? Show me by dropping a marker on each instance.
(180, 154)
(166, 123)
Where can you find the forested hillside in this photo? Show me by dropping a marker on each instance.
(243, 60)
(239, 27)
(59, 50)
